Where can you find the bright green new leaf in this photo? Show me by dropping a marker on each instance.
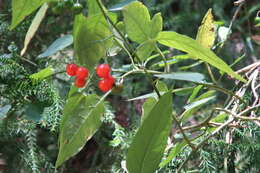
(43, 73)
(206, 32)
(147, 148)
(34, 26)
(177, 148)
(81, 119)
(57, 45)
(138, 24)
(193, 48)
(92, 39)
(23, 8)
(184, 76)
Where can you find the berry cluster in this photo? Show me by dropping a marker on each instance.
(108, 81)
(81, 74)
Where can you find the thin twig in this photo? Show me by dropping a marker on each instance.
(183, 134)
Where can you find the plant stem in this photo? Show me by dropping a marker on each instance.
(182, 131)
(128, 47)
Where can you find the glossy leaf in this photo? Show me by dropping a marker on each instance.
(193, 48)
(147, 148)
(23, 8)
(206, 32)
(92, 39)
(57, 45)
(43, 73)
(81, 119)
(184, 76)
(34, 26)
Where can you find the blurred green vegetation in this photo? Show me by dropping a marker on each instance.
(107, 149)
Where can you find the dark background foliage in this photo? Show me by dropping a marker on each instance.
(24, 147)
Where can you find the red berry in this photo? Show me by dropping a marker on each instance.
(111, 80)
(103, 70)
(71, 69)
(82, 73)
(80, 83)
(106, 84)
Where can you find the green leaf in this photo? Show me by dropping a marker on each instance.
(147, 148)
(34, 26)
(43, 73)
(57, 45)
(184, 76)
(193, 48)
(198, 103)
(81, 119)
(190, 109)
(147, 107)
(93, 8)
(205, 95)
(120, 5)
(206, 32)
(161, 86)
(23, 8)
(4, 110)
(177, 148)
(220, 118)
(34, 111)
(177, 91)
(156, 25)
(172, 60)
(92, 39)
(138, 24)
(145, 49)
(195, 93)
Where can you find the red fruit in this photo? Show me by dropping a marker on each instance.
(71, 69)
(80, 83)
(103, 70)
(111, 80)
(106, 84)
(82, 73)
